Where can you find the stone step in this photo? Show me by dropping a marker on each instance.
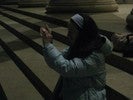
(100, 17)
(26, 60)
(38, 65)
(36, 82)
(38, 10)
(120, 81)
(15, 84)
(29, 19)
(36, 27)
(40, 68)
(2, 93)
(34, 15)
(31, 3)
(113, 62)
(39, 41)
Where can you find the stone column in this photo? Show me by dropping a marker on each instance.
(32, 3)
(82, 6)
(129, 21)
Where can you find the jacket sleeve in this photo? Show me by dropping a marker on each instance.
(64, 52)
(68, 68)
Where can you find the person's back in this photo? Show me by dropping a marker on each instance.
(88, 85)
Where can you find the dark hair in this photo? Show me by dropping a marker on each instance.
(87, 41)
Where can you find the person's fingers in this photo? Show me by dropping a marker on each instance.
(48, 36)
(42, 29)
(43, 32)
(47, 28)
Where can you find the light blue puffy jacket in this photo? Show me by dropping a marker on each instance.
(83, 79)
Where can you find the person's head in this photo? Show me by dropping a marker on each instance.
(83, 35)
(83, 27)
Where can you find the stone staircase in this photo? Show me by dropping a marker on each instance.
(24, 73)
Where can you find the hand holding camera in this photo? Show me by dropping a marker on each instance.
(46, 35)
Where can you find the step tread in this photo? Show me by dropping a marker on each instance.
(120, 81)
(116, 79)
(15, 84)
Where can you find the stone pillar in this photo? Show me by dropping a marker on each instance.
(82, 6)
(129, 21)
(32, 3)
